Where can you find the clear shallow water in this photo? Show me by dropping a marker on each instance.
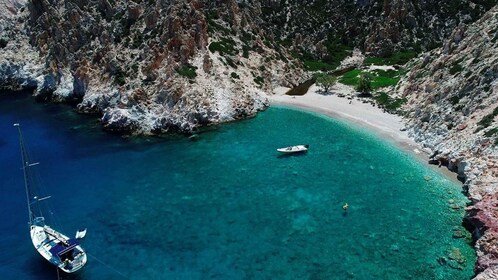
(228, 206)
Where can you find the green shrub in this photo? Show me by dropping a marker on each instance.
(456, 68)
(259, 80)
(336, 52)
(401, 57)
(488, 119)
(225, 46)
(313, 65)
(388, 103)
(245, 51)
(138, 40)
(187, 71)
(3, 43)
(491, 132)
(120, 77)
(326, 81)
(234, 75)
(455, 100)
(231, 63)
(134, 67)
(364, 83)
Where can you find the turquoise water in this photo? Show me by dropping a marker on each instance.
(227, 206)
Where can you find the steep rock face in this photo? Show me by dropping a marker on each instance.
(19, 61)
(146, 67)
(164, 65)
(453, 109)
(377, 26)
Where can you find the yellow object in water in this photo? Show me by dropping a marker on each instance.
(345, 206)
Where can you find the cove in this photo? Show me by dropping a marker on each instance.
(228, 206)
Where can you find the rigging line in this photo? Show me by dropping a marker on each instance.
(108, 266)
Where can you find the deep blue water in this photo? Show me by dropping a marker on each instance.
(227, 206)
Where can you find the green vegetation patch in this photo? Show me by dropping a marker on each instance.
(456, 68)
(119, 77)
(325, 81)
(224, 46)
(401, 57)
(3, 43)
(488, 119)
(382, 78)
(245, 51)
(491, 132)
(314, 65)
(389, 103)
(379, 78)
(351, 78)
(259, 80)
(234, 75)
(187, 71)
(336, 52)
(455, 100)
(213, 26)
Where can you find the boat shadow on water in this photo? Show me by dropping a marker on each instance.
(41, 269)
(302, 154)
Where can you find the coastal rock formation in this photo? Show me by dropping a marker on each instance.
(452, 109)
(20, 64)
(174, 65)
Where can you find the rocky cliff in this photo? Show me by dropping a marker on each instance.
(453, 109)
(144, 66)
(155, 66)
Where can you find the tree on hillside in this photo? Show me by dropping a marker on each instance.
(326, 81)
(364, 84)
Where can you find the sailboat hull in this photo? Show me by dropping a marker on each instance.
(58, 249)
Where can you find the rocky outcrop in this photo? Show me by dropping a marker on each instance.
(452, 93)
(20, 64)
(179, 64)
(174, 65)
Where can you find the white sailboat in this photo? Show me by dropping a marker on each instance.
(63, 252)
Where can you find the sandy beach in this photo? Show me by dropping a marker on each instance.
(352, 109)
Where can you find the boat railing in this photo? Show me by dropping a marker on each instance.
(55, 234)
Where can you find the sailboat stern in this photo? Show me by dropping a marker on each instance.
(63, 252)
(70, 255)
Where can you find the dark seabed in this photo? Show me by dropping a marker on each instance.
(227, 206)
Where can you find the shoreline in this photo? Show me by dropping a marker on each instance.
(382, 124)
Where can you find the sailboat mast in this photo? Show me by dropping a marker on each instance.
(25, 166)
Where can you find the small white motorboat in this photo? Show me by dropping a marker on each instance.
(294, 149)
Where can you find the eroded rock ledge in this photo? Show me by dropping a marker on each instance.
(453, 105)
